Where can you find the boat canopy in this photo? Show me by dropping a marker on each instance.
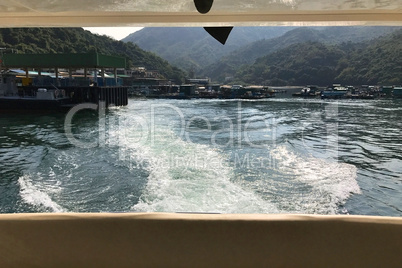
(92, 13)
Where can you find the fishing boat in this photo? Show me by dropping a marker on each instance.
(397, 92)
(257, 92)
(208, 94)
(308, 92)
(43, 100)
(335, 92)
(249, 95)
(386, 91)
(175, 96)
(11, 98)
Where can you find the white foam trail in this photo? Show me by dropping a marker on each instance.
(331, 183)
(187, 177)
(33, 195)
(389, 109)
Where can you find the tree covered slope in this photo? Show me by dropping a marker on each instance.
(77, 40)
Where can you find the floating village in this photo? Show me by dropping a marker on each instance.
(202, 89)
(60, 81)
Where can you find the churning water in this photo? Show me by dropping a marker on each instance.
(266, 156)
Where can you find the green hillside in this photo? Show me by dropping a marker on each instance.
(380, 62)
(228, 65)
(375, 62)
(77, 40)
(298, 64)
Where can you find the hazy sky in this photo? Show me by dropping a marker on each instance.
(117, 33)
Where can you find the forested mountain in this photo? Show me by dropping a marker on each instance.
(228, 65)
(77, 40)
(297, 64)
(375, 62)
(192, 48)
(380, 62)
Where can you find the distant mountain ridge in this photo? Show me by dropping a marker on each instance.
(192, 48)
(194, 51)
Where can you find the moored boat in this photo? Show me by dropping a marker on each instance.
(308, 92)
(386, 91)
(335, 92)
(175, 96)
(41, 99)
(208, 94)
(397, 92)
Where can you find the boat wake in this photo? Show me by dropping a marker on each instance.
(39, 196)
(319, 186)
(188, 177)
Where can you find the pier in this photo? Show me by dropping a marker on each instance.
(74, 78)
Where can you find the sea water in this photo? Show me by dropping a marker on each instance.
(279, 155)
